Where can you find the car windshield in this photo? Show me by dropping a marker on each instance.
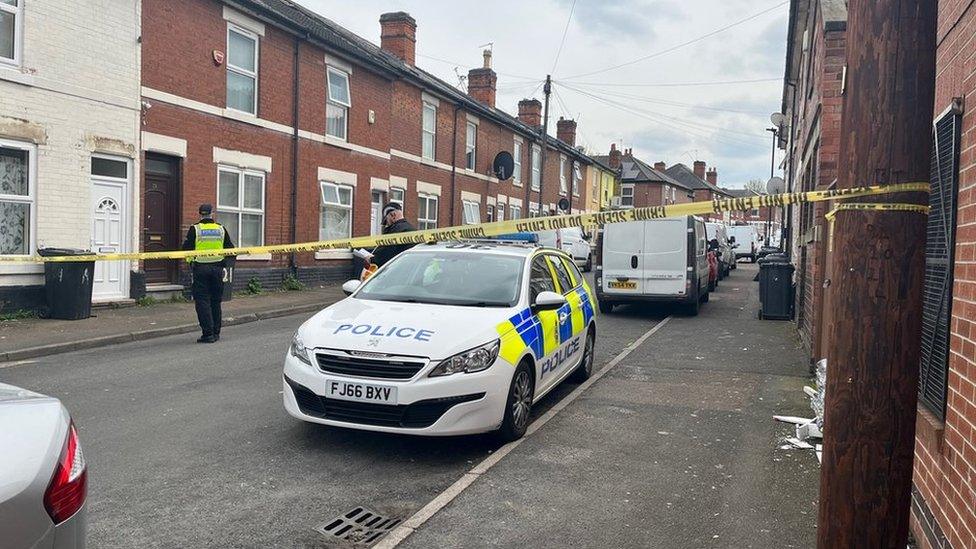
(452, 278)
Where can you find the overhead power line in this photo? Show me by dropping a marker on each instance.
(668, 102)
(676, 84)
(681, 45)
(563, 41)
(465, 66)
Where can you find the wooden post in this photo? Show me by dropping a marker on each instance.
(875, 274)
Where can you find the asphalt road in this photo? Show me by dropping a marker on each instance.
(188, 445)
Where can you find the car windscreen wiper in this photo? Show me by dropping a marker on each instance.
(481, 304)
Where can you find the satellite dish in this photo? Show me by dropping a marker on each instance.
(503, 166)
(777, 118)
(776, 185)
(564, 204)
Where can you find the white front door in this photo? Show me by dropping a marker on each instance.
(376, 213)
(110, 191)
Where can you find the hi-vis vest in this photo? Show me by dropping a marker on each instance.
(210, 236)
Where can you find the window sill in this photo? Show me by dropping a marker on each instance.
(333, 254)
(517, 184)
(20, 268)
(13, 73)
(930, 430)
(254, 257)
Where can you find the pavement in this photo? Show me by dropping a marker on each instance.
(674, 447)
(35, 337)
(188, 445)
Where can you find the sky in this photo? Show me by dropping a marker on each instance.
(667, 106)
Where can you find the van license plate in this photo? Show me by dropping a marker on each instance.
(626, 285)
(360, 392)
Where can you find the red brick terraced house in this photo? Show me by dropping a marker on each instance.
(642, 185)
(944, 483)
(298, 130)
(704, 183)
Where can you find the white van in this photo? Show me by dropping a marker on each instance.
(660, 260)
(572, 240)
(746, 241)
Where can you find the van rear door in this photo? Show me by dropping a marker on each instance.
(623, 244)
(665, 257)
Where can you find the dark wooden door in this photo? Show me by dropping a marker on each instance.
(161, 216)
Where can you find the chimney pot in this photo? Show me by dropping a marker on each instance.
(712, 176)
(398, 35)
(566, 131)
(614, 157)
(530, 112)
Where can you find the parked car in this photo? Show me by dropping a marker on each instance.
(746, 241)
(43, 471)
(660, 260)
(572, 240)
(447, 339)
(726, 253)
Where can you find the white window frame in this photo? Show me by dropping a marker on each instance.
(470, 146)
(394, 191)
(515, 212)
(470, 207)
(500, 211)
(336, 104)
(627, 191)
(18, 13)
(240, 210)
(577, 175)
(244, 72)
(428, 107)
(517, 170)
(29, 198)
(563, 187)
(533, 210)
(536, 166)
(323, 203)
(427, 222)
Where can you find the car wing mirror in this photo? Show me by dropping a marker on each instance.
(548, 301)
(351, 286)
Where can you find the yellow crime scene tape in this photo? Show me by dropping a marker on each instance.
(510, 226)
(831, 216)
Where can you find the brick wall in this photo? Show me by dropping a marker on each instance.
(384, 131)
(945, 452)
(49, 101)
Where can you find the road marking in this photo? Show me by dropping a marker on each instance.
(418, 519)
(16, 363)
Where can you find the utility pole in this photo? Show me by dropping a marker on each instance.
(772, 173)
(874, 278)
(546, 89)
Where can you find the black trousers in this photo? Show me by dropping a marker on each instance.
(208, 290)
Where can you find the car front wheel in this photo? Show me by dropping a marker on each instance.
(589, 264)
(518, 407)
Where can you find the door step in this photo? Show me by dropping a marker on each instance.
(164, 292)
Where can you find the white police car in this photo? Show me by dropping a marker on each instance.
(447, 339)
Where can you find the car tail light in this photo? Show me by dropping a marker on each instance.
(66, 493)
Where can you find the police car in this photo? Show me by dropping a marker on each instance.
(447, 339)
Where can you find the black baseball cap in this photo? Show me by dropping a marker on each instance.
(206, 209)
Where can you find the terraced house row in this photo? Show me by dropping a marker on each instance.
(293, 127)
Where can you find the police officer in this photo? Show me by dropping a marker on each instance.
(208, 271)
(393, 222)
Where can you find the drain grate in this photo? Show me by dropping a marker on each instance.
(361, 526)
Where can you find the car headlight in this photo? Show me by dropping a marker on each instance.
(472, 360)
(298, 349)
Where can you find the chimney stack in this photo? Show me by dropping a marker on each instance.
(398, 35)
(566, 131)
(660, 166)
(700, 169)
(629, 152)
(712, 176)
(614, 157)
(481, 82)
(530, 112)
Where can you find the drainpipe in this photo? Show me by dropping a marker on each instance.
(292, 259)
(454, 163)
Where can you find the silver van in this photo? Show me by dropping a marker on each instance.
(660, 260)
